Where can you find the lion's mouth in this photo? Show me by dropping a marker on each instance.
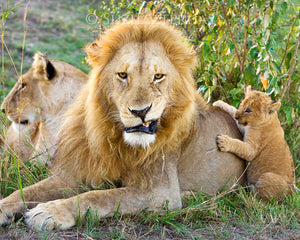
(149, 127)
(242, 123)
(19, 121)
(24, 122)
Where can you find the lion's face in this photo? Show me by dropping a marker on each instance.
(42, 92)
(256, 109)
(141, 76)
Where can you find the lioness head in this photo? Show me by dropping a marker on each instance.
(42, 92)
(257, 108)
(144, 70)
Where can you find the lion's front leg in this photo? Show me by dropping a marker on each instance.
(48, 189)
(241, 149)
(62, 213)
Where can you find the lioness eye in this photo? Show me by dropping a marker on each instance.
(122, 75)
(248, 110)
(158, 76)
(23, 85)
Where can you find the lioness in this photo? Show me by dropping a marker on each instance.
(36, 104)
(140, 123)
(271, 167)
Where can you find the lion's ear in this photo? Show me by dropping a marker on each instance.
(43, 68)
(93, 53)
(273, 106)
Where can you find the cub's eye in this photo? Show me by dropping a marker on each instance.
(248, 110)
(122, 75)
(158, 77)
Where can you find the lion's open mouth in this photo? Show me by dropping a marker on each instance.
(147, 127)
(242, 123)
(18, 121)
(25, 122)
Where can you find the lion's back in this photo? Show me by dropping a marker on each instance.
(202, 166)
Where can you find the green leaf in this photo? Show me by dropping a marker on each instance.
(254, 52)
(288, 115)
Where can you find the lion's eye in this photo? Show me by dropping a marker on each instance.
(158, 77)
(21, 86)
(122, 75)
(248, 110)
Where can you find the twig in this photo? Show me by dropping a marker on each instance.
(288, 41)
(291, 70)
(24, 36)
(232, 38)
(245, 40)
(233, 188)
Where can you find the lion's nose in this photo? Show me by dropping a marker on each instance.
(3, 110)
(141, 113)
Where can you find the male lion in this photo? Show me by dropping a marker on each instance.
(36, 104)
(139, 123)
(271, 167)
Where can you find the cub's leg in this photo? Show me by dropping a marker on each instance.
(241, 149)
(272, 185)
(48, 189)
(225, 107)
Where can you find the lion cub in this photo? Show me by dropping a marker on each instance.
(271, 168)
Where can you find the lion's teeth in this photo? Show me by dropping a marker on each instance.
(146, 124)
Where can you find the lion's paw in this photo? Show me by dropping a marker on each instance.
(5, 217)
(7, 210)
(50, 215)
(223, 142)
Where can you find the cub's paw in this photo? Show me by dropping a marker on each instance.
(223, 142)
(219, 104)
(50, 215)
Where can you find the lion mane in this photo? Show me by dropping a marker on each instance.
(92, 138)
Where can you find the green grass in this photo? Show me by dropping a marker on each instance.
(61, 32)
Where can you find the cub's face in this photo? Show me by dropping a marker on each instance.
(141, 86)
(256, 109)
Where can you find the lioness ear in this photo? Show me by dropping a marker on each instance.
(274, 106)
(42, 66)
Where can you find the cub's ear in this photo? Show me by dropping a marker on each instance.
(273, 106)
(42, 66)
(248, 89)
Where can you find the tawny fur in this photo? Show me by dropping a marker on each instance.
(271, 167)
(92, 147)
(41, 96)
